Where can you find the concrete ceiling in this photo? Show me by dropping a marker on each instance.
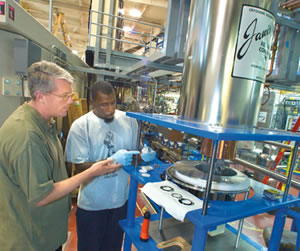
(76, 13)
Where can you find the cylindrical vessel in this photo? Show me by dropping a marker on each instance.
(226, 59)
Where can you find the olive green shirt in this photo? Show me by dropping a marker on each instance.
(31, 160)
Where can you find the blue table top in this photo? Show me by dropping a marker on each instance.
(220, 212)
(214, 132)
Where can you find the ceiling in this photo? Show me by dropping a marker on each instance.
(76, 13)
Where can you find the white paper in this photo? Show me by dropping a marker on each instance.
(254, 43)
(173, 205)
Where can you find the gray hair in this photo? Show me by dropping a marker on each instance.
(42, 75)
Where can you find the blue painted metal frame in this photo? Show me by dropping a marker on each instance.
(254, 244)
(219, 212)
(214, 132)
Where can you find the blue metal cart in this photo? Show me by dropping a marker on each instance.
(219, 212)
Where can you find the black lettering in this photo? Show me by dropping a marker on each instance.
(263, 50)
(258, 36)
(248, 38)
(249, 35)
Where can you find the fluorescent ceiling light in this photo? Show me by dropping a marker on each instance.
(135, 13)
(75, 52)
(127, 29)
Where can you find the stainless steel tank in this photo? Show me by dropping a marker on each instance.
(226, 56)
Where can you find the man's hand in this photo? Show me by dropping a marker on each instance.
(123, 157)
(104, 167)
(62, 188)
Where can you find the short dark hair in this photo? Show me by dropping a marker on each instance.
(103, 87)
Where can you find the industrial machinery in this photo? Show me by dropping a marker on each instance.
(218, 212)
(24, 41)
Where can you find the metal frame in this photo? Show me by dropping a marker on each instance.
(108, 37)
(219, 212)
(167, 58)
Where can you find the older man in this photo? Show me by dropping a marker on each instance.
(34, 202)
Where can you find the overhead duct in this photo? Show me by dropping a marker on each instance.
(226, 60)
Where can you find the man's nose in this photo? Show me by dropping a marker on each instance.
(111, 108)
(70, 100)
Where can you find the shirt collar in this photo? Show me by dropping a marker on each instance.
(37, 117)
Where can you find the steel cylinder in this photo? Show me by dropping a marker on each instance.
(226, 60)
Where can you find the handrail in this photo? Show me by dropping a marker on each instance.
(135, 32)
(126, 18)
(124, 41)
(147, 36)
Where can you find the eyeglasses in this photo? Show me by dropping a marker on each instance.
(65, 97)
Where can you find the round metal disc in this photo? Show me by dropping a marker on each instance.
(193, 174)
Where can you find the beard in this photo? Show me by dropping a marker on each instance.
(103, 116)
(108, 120)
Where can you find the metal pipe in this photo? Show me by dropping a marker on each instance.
(291, 5)
(288, 2)
(276, 176)
(50, 15)
(274, 49)
(117, 28)
(275, 143)
(241, 223)
(89, 29)
(105, 37)
(138, 140)
(289, 178)
(210, 177)
(161, 219)
(150, 37)
(154, 96)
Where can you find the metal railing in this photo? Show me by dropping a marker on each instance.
(149, 37)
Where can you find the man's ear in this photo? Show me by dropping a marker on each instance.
(40, 97)
(92, 102)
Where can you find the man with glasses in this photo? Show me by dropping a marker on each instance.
(34, 204)
(102, 133)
